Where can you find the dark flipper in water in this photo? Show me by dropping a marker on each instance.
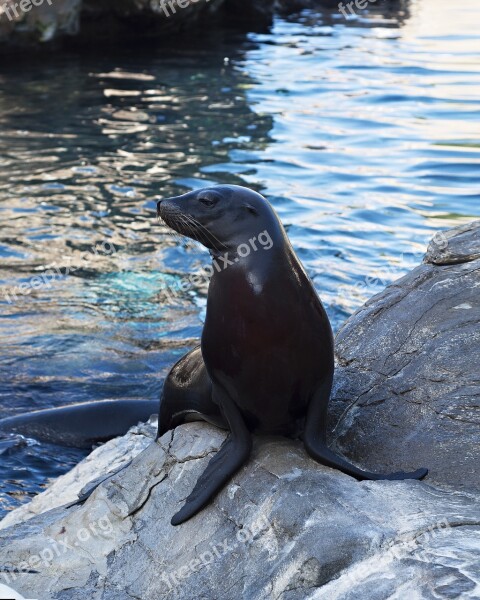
(81, 425)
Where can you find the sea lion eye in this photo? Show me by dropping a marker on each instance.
(207, 201)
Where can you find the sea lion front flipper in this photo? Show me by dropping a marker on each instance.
(314, 438)
(233, 453)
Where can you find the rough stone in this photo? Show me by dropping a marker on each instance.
(285, 527)
(40, 23)
(103, 460)
(407, 385)
(97, 21)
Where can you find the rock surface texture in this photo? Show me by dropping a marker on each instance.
(407, 389)
(286, 527)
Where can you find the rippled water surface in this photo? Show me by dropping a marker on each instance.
(364, 134)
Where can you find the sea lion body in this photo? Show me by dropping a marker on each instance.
(267, 344)
(267, 339)
(187, 394)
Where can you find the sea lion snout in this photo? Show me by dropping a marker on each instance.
(167, 208)
(164, 206)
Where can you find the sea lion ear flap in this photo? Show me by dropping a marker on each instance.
(251, 209)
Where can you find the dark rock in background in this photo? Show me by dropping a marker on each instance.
(97, 20)
(94, 22)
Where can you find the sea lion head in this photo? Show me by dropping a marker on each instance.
(221, 217)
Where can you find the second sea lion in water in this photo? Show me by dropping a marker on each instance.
(266, 360)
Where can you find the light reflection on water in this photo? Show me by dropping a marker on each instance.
(363, 134)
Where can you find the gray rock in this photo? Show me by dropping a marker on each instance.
(407, 382)
(286, 527)
(103, 460)
(459, 245)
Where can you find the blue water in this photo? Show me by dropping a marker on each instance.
(364, 134)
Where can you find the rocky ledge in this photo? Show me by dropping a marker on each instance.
(27, 22)
(24, 23)
(406, 395)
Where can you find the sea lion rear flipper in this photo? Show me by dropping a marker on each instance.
(314, 438)
(232, 455)
(187, 395)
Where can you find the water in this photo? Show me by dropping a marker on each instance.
(364, 134)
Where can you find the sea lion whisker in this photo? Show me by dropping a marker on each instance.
(196, 223)
(181, 223)
(203, 234)
(171, 223)
(161, 221)
(181, 238)
(190, 235)
(175, 217)
(194, 230)
(194, 243)
(208, 232)
(176, 236)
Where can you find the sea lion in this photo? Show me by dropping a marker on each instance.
(265, 364)
(81, 425)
